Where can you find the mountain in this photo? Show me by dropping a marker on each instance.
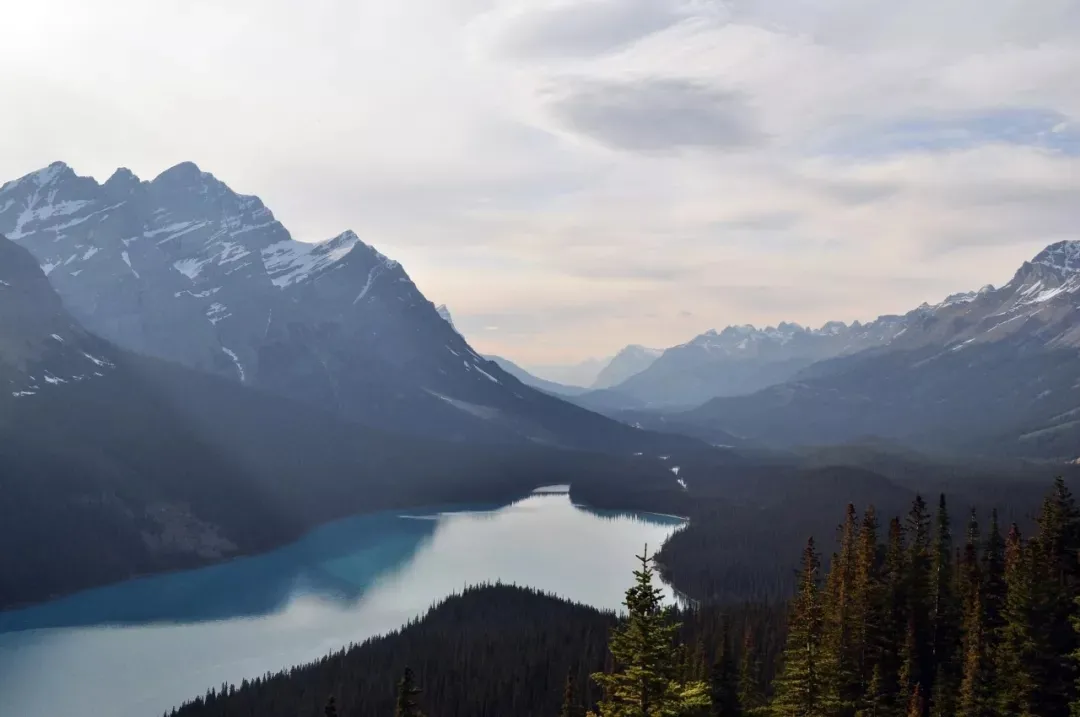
(114, 464)
(444, 312)
(40, 344)
(743, 359)
(994, 371)
(630, 361)
(581, 374)
(555, 389)
(183, 268)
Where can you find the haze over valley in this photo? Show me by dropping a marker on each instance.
(592, 358)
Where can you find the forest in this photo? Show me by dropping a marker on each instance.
(917, 615)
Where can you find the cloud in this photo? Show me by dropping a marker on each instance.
(563, 29)
(586, 174)
(655, 114)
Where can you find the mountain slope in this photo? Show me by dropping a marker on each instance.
(629, 362)
(555, 389)
(185, 269)
(995, 371)
(113, 465)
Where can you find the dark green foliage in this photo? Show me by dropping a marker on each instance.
(805, 685)
(724, 681)
(571, 706)
(407, 704)
(645, 680)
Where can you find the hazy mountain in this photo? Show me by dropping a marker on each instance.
(995, 370)
(556, 389)
(113, 465)
(630, 361)
(743, 359)
(185, 269)
(581, 374)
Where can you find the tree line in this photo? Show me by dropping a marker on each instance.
(917, 616)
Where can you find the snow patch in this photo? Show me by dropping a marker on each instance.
(58, 337)
(127, 260)
(485, 373)
(190, 267)
(97, 361)
(375, 271)
(236, 360)
(289, 262)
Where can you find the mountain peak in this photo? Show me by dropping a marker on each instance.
(445, 314)
(41, 178)
(1063, 255)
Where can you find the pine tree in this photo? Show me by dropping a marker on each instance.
(895, 623)
(802, 689)
(975, 685)
(724, 681)
(407, 705)
(331, 708)
(917, 702)
(993, 578)
(645, 680)
(867, 604)
(839, 644)
(918, 665)
(943, 618)
(1017, 643)
(875, 702)
(1055, 580)
(571, 707)
(751, 691)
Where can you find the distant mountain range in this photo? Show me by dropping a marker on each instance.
(992, 371)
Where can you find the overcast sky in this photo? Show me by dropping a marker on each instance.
(571, 176)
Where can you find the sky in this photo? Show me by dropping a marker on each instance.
(571, 176)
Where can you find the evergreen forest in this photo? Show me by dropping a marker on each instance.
(938, 612)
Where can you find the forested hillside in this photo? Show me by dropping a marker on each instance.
(919, 615)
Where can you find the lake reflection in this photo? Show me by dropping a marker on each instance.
(137, 648)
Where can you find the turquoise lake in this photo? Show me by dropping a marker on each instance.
(141, 647)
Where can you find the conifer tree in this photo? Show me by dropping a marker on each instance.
(918, 652)
(571, 707)
(894, 619)
(874, 702)
(645, 681)
(867, 609)
(839, 641)
(751, 691)
(803, 687)
(917, 702)
(943, 617)
(407, 706)
(974, 695)
(993, 578)
(1055, 580)
(1017, 644)
(331, 708)
(724, 681)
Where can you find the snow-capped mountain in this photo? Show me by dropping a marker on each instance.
(998, 368)
(630, 361)
(185, 269)
(41, 346)
(743, 359)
